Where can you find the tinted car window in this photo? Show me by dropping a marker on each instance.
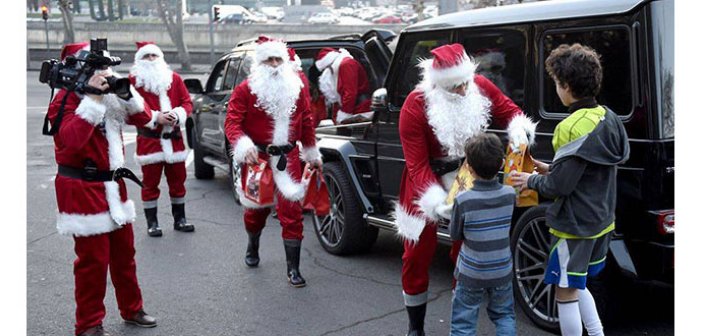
(244, 69)
(613, 44)
(500, 58)
(417, 50)
(232, 69)
(214, 84)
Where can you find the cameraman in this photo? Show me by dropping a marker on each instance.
(92, 200)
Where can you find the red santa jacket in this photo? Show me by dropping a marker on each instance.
(152, 150)
(93, 131)
(352, 88)
(421, 190)
(246, 125)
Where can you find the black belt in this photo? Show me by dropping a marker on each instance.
(277, 151)
(91, 174)
(441, 168)
(175, 134)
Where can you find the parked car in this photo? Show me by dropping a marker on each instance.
(273, 13)
(388, 19)
(205, 127)
(323, 18)
(256, 17)
(235, 18)
(635, 39)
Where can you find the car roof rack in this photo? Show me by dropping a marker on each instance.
(344, 37)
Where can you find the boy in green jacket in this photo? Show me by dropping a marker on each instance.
(588, 145)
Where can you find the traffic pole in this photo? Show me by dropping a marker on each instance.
(212, 59)
(46, 30)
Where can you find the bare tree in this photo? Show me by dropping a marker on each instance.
(172, 17)
(69, 35)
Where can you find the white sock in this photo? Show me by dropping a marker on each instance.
(569, 318)
(588, 312)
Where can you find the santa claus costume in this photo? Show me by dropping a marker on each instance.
(343, 82)
(92, 198)
(268, 114)
(160, 147)
(434, 126)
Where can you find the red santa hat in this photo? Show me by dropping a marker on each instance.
(73, 49)
(145, 48)
(325, 57)
(267, 47)
(449, 66)
(294, 59)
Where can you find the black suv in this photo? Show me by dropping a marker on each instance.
(205, 128)
(635, 39)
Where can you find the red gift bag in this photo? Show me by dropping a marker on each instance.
(258, 184)
(317, 195)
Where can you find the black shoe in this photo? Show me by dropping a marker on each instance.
(252, 258)
(95, 331)
(416, 319)
(142, 319)
(152, 227)
(179, 222)
(292, 256)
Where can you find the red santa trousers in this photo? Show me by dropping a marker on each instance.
(289, 212)
(95, 254)
(415, 265)
(175, 176)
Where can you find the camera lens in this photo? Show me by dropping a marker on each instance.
(120, 86)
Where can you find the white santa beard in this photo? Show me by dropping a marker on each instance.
(276, 89)
(454, 118)
(154, 76)
(327, 85)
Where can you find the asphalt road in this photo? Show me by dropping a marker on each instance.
(197, 284)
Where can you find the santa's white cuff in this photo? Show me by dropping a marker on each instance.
(434, 196)
(91, 111)
(408, 227)
(135, 104)
(521, 130)
(310, 154)
(180, 112)
(341, 116)
(243, 145)
(154, 120)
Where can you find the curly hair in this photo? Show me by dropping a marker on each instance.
(577, 67)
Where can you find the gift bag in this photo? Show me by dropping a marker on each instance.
(463, 182)
(259, 185)
(317, 196)
(521, 161)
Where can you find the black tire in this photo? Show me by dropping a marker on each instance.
(233, 176)
(344, 230)
(530, 243)
(203, 171)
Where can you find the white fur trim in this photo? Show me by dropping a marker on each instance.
(115, 149)
(434, 196)
(154, 119)
(152, 158)
(521, 130)
(285, 184)
(148, 49)
(341, 116)
(446, 77)
(310, 154)
(91, 111)
(121, 213)
(327, 60)
(271, 49)
(243, 145)
(408, 227)
(297, 62)
(85, 225)
(246, 203)
(180, 113)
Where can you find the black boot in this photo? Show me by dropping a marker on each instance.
(152, 227)
(292, 256)
(416, 319)
(252, 258)
(179, 223)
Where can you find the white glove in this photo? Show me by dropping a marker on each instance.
(444, 210)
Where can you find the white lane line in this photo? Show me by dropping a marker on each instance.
(190, 158)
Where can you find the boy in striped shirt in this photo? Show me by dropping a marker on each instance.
(481, 219)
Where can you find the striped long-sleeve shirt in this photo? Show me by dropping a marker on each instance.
(481, 219)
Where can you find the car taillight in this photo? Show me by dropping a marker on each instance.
(666, 221)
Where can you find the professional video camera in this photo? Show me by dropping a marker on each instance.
(74, 73)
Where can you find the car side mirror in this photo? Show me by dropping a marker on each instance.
(379, 102)
(194, 86)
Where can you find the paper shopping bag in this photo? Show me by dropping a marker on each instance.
(317, 195)
(463, 182)
(258, 184)
(521, 161)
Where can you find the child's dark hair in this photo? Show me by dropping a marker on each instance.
(484, 153)
(577, 67)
